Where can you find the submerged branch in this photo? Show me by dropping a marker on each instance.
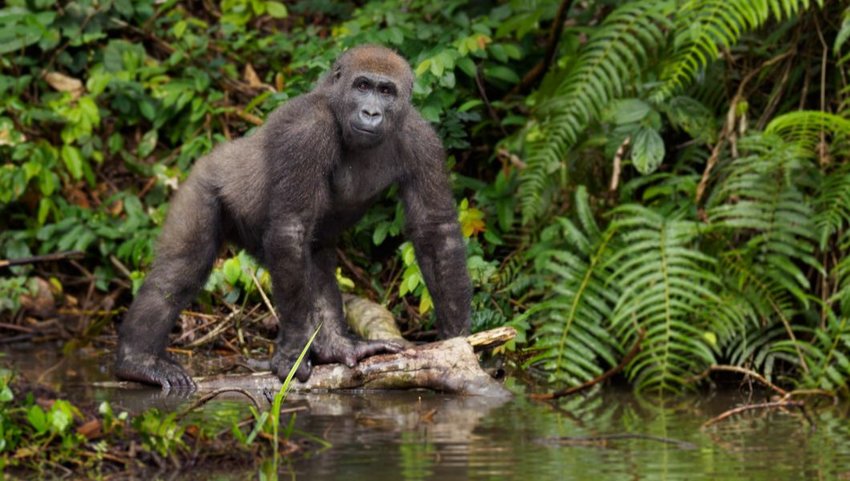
(784, 403)
(214, 394)
(604, 440)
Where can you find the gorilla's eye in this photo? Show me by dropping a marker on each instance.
(362, 85)
(386, 90)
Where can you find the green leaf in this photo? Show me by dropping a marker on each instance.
(627, 111)
(431, 113)
(60, 416)
(647, 150)
(89, 112)
(380, 233)
(277, 9)
(148, 143)
(37, 418)
(423, 67)
(147, 109)
(179, 28)
(73, 161)
(470, 104)
(425, 302)
(437, 66)
(502, 73)
(843, 35)
(44, 207)
(467, 66)
(6, 394)
(232, 270)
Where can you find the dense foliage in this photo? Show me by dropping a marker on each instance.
(669, 173)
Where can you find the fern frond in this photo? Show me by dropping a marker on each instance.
(808, 128)
(571, 338)
(764, 298)
(754, 349)
(667, 285)
(705, 27)
(812, 132)
(832, 204)
(608, 65)
(841, 274)
(756, 195)
(828, 354)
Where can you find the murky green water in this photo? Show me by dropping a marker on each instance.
(387, 437)
(606, 435)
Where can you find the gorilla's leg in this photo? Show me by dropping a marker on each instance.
(186, 251)
(334, 343)
(287, 256)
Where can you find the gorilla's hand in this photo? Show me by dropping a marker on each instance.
(342, 349)
(154, 369)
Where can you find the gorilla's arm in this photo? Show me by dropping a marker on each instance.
(433, 227)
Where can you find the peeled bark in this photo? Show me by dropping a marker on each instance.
(371, 320)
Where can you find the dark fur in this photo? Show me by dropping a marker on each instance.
(285, 194)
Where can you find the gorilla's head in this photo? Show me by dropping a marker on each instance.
(370, 94)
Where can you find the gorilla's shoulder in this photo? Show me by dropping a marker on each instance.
(304, 111)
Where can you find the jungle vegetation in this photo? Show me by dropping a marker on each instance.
(667, 173)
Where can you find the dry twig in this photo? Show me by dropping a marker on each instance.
(58, 256)
(740, 370)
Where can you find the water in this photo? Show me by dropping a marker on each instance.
(386, 437)
(608, 434)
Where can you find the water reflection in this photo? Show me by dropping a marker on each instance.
(630, 438)
(605, 435)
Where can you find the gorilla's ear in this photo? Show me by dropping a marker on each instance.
(337, 73)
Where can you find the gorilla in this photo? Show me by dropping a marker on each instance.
(284, 194)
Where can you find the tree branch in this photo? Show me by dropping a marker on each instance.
(539, 70)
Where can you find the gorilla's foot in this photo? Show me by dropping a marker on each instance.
(341, 350)
(153, 369)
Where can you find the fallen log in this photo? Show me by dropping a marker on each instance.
(449, 366)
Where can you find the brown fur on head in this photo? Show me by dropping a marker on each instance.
(375, 59)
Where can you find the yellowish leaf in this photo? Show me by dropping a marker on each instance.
(64, 83)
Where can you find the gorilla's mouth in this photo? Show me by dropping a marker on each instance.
(362, 130)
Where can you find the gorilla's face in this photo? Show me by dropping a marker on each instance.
(372, 108)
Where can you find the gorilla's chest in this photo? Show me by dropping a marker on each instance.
(353, 189)
(356, 184)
